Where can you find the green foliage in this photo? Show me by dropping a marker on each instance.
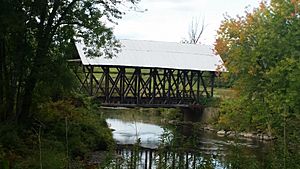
(41, 123)
(36, 40)
(238, 158)
(209, 102)
(51, 158)
(70, 129)
(230, 115)
(9, 137)
(171, 114)
(261, 50)
(87, 130)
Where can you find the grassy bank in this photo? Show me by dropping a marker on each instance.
(61, 135)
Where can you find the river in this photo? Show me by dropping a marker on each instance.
(144, 142)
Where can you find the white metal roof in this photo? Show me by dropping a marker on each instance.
(141, 53)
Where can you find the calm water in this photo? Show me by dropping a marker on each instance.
(128, 132)
(143, 143)
(150, 135)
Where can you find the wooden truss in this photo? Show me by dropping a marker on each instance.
(145, 87)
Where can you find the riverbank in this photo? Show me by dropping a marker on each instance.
(61, 134)
(151, 141)
(209, 121)
(260, 136)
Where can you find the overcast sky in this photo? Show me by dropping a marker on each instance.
(169, 20)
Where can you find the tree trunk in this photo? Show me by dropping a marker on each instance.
(18, 96)
(6, 86)
(20, 74)
(32, 79)
(27, 97)
(40, 59)
(9, 76)
(1, 79)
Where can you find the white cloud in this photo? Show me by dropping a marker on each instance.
(168, 20)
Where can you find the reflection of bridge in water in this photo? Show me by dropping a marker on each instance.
(146, 158)
(150, 74)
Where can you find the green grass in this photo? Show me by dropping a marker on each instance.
(224, 93)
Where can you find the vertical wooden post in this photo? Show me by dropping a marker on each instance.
(198, 85)
(91, 80)
(84, 85)
(169, 85)
(184, 83)
(138, 85)
(122, 87)
(106, 87)
(177, 84)
(190, 81)
(212, 83)
(164, 84)
(154, 73)
(150, 83)
(135, 83)
(2, 65)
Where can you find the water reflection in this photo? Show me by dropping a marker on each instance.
(128, 132)
(144, 158)
(145, 145)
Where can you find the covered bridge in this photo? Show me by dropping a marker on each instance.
(150, 74)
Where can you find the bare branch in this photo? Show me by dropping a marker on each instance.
(195, 31)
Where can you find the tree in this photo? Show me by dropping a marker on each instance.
(195, 31)
(262, 50)
(35, 35)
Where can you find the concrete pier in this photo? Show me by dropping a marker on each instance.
(193, 113)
